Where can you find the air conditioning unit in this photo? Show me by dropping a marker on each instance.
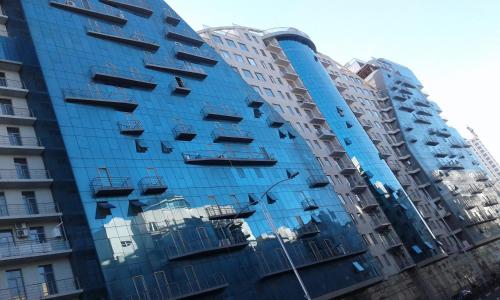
(22, 230)
(57, 232)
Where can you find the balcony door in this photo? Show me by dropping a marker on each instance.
(22, 170)
(3, 80)
(3, 205)
(14, 135)
(30, 203)
(48, 280)
(105, 177)
(6, 107)
(15, 283)
(192, 279)
(6, 242)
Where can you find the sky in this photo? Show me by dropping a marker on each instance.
(453, 47)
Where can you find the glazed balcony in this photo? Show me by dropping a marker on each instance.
(101, 12)
(118, 101)
(174, 66)
(309, 204)
(137, 6)
(228, 158)
(232, 135)
(183, 132)
(111, 186)
(230, 211)
(254, 101)
(194, 54)
(430, 141)
(203, 287)
(23, 251)
(56, 289)
(307, 103)
(316, 118)
(380, 224)
(275, 120)
(179, 248)
(325, 134)
(184, 35)
(131, 127)
(16, 115)
(25, 178)
(10, 213)
(122, 77)
(221, 113)
(171, 17)
(346, 166)
(116, 34)
(357, 184)
(307, 230)
(20, 145)
(152, 185)
(12, 88)
(315, 181)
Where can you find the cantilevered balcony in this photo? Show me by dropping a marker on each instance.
(325, 134)
(375, 139)
(131, 127)
(422, 102)
(118, 101)
(307, 230)
(341, 86)
(254, 101)
(180, 248)
(12, 88)
(309, 204)
(475, 189)
(316, 118)
(406, 107)
(454, 143)
(232, 135)
(16, 213)
(195, 54)
(316, 181)
(443, 133)
(421, 119)
(404, 181)
(336, 150)
(288, 73)
(53, 289)
(183, 34)
(481, 176)
(117, 34)
(221, 113)
(367, 125)
(20, 145)
(357, 111)
(275, 120)
(424, 112)
(357, 184)
(137, 6)
(451, 165)
(152, 185)
(490, 200)
(16, 115)
(111, 186)
(230, 211)
(430, 141)
(307, 103)
(391, 242)
(174, 66)
(188, 289)
(184, 132)
(400, 97)
(171, 17)
(90, 9)
(439, 152)
(380, 223)
(367, 203)
(122, 77)
(22, 251)
(228, 158)
(412, 168)
(273, 45)
(24, 178)
(346, 166)
(281, 60)
(298, 88)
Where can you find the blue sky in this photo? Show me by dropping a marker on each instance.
(452, 46)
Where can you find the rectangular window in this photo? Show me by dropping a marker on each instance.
(48, 280)
(15, 283)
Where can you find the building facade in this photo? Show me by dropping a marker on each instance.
(487, 160)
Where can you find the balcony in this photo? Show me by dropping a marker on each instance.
(275, 120)
(298, 88)
(122, 77)
(406, 107)
(179, 87)
(424, 112)
(336, 150)
(111, 186)
(254, 101)
(481, 176)
(412, 169)
(400, 97)
(438, 175)
(10, 213)
(118, 101)
(367, 125)
(421, 119)
(307, 103)
(394, 166)
(430, 141)
(116, 34)
(288, 73)
(451, 165)
(232, 135)
(20, 145)
(273, 45)
(12, 88)
(490, 200)
(180, 248)
(358, 112)
(380, 224)
(307, 230)
(131, 127)
(475, 189)
(443, 133)
(228, 158)
(376, 140)
(231, 211)
(89, 9)
(315, 118)
(188, 289)
(341, 86)
(281, 60)
(221, 113)
(316, 181)
(184, 35)
(393, 131)
(439, 152)
(137, 6)
(404, 182)
(194, 54)
(309, 204)
(23, 251)
(357, 185)
(367, 204)
(25, 178)
(171, 17)
(153, 185)
(324, 134)
(422, 102)
(346, 166)
(53, 289)
(16, 115)
(391, 243)
(183, 132)
(174, 66)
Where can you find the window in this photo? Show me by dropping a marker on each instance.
(271, 66)
(255, 50)
(30, 202)
(48, 280)
(225, 54)
(278, 108)
(243, 46)
(37, 234)
(15, 282)
(231, 43)
(241, 172)
(247, 73)
(251, 61)
(269, 92)
(238, 57)
(260, 76)
(247, 36)
(263, 53)
(271, 78)
(217, 39)
(258, 172)
(281, 94)
(257, 89)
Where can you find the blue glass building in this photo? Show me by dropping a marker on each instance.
(360, 150)
(165, 157)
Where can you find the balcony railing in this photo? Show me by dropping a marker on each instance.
(174, 66)
(138, 6)
(307, 103)
(439, 152)
(131, 127)
(288, 73)
(421, 119)
(475, 189)
(281, 60)
(380, 224)
(180, 248)
(346, 166)
(195, 54)
(316, 118)
(116, 34)
(391, 242)
(122, 77)
(222, 113)
(153, 185)
(24, 177)
(481, 176)
(299, 88)
(337, 150)
(184, 132)
(254, 101)
(171, 17)
(230, 211)
(22, 210)
(275, 120)
(315, 181)
(118, 101)
(309, 204)
(341, 86)
(111, 186)
(233, 135)
(273, 45)
(28, 248)
(307, 230)
(228, 158)
(183, 34)
(12, 114)
(431, 141)
(45, 290)
(20, 142)
(368, 204)
(490, 200)
(324, 134)
(88, 8)
(357, 184)
(12, 88)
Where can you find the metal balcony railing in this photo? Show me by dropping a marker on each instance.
(153, 185)
(9, 110)
(28, 248)
(307, 230)
(24, 174)
(174, 66)
(122, 77)
(117, 34)
(229, 211)
(237, 135)
(139, 6)
(171, 17)
(309, 204)
(18, 140)
(182, 248)
(380, 223)
(108, 186)
(88, 8)
(131, 127)
(183, 34)
(11, 83)
(184, 132)
(13, 210)
(224, 113)
(214, 157)
(195, 54)
(45, 290)
(119, 101)
(315, 181)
